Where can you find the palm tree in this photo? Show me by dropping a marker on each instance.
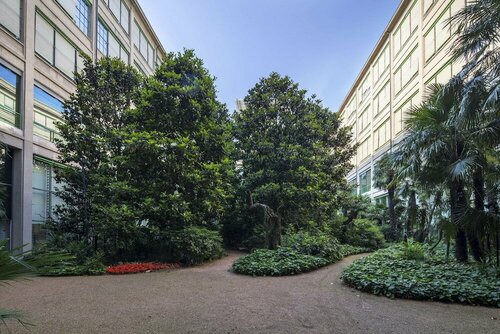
(446, 136)
(384, 177)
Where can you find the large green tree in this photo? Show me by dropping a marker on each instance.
(94, 186)
(293, 152)
(177, 147)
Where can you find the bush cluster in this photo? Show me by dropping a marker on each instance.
(300, 252)
(280, 262)
(363, 233)
(393, 273)
(193, 245)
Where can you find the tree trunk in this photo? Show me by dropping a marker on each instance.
(494, 210)
(392, 212)
(458, 204)
(473, 233)
(412, 211)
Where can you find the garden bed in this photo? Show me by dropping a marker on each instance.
(389, 272)
(134, 268)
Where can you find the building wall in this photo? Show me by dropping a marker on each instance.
(39, 42)
(412, 53)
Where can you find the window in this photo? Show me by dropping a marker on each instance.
(143, 45)
(407, 71)
(364, 89)
(401, 112)
(427, 5)
(440, 32)
(5, 192)
(9, 90)
(381, 201)
(79, 12)
(10, 16)
(382, 134)
(46, 113)
(139, 68)
(55, 48)
(406, 28)
(364, 119)
(364, 149)
(108, 45)
(120, 11)
(365, 181)
(354, 186)
(382, 99)
(44, 198)
(381, 64)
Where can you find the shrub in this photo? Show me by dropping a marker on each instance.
(363, 233)
(61, 263)
(193, 245)
(280, 262)
(346, 250)
(411, 250)
(320, 245)
(133, 268)
(386, 273)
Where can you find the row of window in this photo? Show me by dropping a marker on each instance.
(143, 45)
(407, 71)
(406, 28)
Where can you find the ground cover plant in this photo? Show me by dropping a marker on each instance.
(133, 268)
(401, 271)
(280, 262)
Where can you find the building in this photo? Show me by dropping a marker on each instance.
(412, 53)
(40, 42)
(240, 105)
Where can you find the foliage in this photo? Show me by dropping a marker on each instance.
(294, 153)
(94, 189)
(279, 262)
(386, 273)
(193, 245)
(320, 245)
(347, 250)
(363, 233)
(133, 268)
(53, 262)
(411, 250)
(177, 147)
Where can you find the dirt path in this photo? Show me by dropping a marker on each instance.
(210, 299)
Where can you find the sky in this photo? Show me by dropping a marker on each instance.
(320, 44)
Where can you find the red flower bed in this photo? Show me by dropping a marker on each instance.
(132, 268)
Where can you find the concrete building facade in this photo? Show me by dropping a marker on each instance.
(40, 42)
(412, 53)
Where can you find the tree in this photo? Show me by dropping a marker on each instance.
(384, 177)
(94, 186)
(294, 153)
(444, 145)
(177, 147)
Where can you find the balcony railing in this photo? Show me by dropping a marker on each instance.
(45, 132)
(10, 116)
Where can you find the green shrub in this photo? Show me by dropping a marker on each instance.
(363, 233)
(280, 262)
(320, 245)
(347, 250)
(62, 263)
(193, 245)
(411, 250)
(386, 273)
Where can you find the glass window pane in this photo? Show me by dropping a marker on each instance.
(102, 38)
(136, 35)
(125, 17)
(69, 6)
(44, 39)
(10, 16)
(65, 56)
(9, 83)
(47, 100)
(114, 5)
(82, 16)
(113, 46)
(144, 46)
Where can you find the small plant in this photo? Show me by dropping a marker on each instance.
(133, 268)
(363, 233)
(412, 250)
(280, 262)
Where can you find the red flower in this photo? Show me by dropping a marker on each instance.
(131, 268)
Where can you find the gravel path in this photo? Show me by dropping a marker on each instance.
(210, 299)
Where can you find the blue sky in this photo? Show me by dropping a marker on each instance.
(321, 44)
